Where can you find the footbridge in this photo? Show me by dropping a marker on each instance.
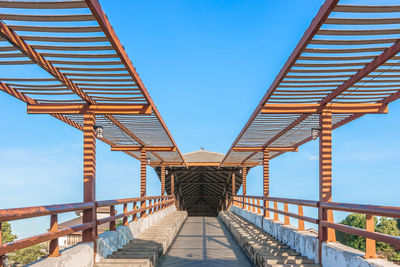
(344, 67)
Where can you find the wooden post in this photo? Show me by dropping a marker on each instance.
(325, 174)
(244, 177)
(301, 222)
(162, 179)
(233, 184)
(325, 179)
(54, 250)
(286, 218)
(125, 218)
(112, 223)
(258, 209)
(266, 180)
(143, 181)
(172, 184)
(226, 200)
(134, 216)
(276, 215)
(370, 244)
(253, 201)
(89, 175)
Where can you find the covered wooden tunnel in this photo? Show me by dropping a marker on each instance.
(202, 187)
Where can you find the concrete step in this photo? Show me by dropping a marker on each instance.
(123, 263)
(286, 261)
(292, 265)
(147, 247)
(262, 248)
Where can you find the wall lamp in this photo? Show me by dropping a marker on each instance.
(99, 131)
(315, 133)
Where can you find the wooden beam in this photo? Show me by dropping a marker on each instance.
(108, 30)
(314, 27)
(199, 183)
(341, 108)
(122, 109)
(325, 176)
(143, 181)
(89, 175)
(266, 180)
(261, 149)
(162, 178)
(147, 148)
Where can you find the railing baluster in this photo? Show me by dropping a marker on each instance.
(112, 213)
(370, 244)
(258, 209)
(125, 219)
(253, 201)
(301, 222)
(134, 216)
(54, 250)
(286, 218)
(276, 217)
(266, 205)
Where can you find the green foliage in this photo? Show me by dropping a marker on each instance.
(28, 255)
(389, 227)
(7, 234)
(22, 256)
(385, 226)
(357, 242)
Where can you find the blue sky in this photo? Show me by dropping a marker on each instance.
(206, 65)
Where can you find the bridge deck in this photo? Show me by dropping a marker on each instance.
(204, 241)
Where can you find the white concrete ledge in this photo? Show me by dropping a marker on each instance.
(82, 255)
(306, 243)
(111, 241)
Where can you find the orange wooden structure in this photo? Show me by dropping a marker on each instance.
(336, 74)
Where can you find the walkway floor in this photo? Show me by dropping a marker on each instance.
(204, 241)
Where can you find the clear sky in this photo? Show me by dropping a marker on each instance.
(206, 65)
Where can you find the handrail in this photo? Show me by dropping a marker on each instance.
(248, 203)
(386, 211)
(289, 214)
(155, 204)
(37, 211)
(104, 203)
(309, 203)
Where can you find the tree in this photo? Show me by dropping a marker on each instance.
(25, 255)
(28, 255)
(358, 221)
(6, 232)
(385, 226)
(389, 227)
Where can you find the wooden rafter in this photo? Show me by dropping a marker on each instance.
(121, 109)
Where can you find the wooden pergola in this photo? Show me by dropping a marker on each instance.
(63, 58)
(202, 187)
(346, 65)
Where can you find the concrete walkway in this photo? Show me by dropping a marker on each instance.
(204, 241)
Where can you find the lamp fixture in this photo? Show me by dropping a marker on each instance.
(315, 133)
(166, 172)
(148, 161)
(99, 131)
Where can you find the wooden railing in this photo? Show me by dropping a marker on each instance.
(152, 204)
(257, 204)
